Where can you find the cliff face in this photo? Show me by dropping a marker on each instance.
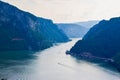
(21, 30)
(73, 30)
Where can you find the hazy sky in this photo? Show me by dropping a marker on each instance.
(70, 10)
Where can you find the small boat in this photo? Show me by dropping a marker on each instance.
(67, 52)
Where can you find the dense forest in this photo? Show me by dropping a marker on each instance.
(20, 30)
(102, 40)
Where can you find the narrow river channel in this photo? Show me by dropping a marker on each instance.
(54, 64)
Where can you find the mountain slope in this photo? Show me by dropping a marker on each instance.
(102, 40)
(73, 30)
(21, 30)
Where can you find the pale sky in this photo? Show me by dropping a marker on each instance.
(70, 10)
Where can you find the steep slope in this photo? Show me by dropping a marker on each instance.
(73, 30)
(21, 30)
(102, 40)
(52, 32)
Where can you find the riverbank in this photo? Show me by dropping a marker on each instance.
(54, 64)
(104, 62)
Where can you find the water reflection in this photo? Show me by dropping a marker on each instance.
(11, 57)
(14, 62)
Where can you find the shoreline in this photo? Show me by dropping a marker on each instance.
(107, 63)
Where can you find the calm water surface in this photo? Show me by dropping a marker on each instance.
(53, 64)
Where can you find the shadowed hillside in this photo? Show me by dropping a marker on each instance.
(21, 30)
(102, 40)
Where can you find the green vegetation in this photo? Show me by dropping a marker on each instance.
(102, 40)
(21, 30)
(117, 61)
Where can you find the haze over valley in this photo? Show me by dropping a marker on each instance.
(59, 40)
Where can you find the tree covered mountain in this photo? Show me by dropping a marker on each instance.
(102, 40)
(73, 30)
(20, 30)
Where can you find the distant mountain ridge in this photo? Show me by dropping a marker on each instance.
(88, 24)
(77, 29)
(73, 30)
(21, 30)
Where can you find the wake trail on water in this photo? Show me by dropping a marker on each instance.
(67, 66)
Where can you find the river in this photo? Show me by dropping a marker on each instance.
(54, 64)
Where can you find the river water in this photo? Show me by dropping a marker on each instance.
(53, 64)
